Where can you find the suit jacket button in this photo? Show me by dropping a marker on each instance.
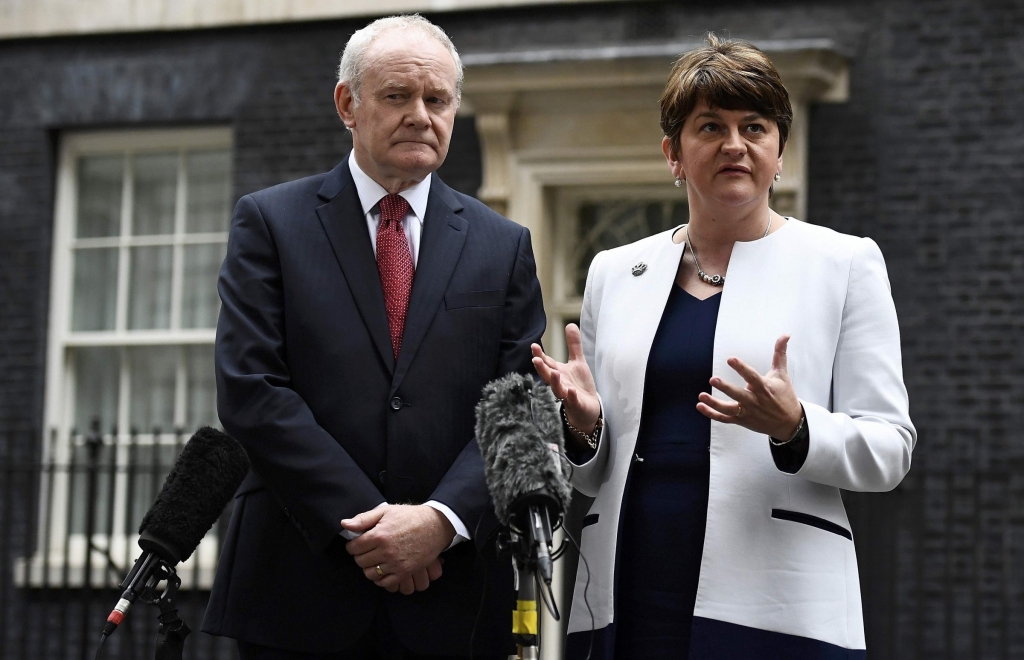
(396, 403)
(383, 476)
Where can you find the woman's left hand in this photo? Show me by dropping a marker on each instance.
(767, 405)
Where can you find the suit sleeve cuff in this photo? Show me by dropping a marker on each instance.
(790, 456)
(575, 452)
(348, 535)
(461, 533)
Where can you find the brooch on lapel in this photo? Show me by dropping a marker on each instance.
(639, 269)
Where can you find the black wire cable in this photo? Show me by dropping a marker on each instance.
(477, 563)
(586, 586)
(558, 552)
(548, 598)
(586, 564)
(99, 649)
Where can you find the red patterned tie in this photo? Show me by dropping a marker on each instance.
(394, 262)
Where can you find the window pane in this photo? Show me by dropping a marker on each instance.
(149, 297)
(100, 179)
(148, 466)
(202, 389)
(209, 191)
(87, 464)
(607, 225)
(94, 306)
(156, 183)
(199, 300)
(153, 376)
(97, 382)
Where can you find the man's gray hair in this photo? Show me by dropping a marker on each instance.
(353, 59)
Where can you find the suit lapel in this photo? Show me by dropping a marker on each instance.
(641, 305)
(343, 221)
(444, 235)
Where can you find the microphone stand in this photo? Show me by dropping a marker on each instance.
(141, 583)
(170, 638)
(525, 622)
(531, 552)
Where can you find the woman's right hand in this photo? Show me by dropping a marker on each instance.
(571, 381)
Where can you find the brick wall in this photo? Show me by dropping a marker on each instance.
(928, 158)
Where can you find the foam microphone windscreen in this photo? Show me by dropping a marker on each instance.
(517, 421)
(203, 480)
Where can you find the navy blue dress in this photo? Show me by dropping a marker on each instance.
(664, 516)
(666, 502)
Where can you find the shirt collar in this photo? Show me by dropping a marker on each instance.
(370, 192)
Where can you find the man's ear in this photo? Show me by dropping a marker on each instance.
(345, 104)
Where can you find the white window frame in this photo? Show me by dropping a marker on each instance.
(565, 303)
(198, 571)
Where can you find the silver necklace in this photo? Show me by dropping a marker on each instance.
(714, 280)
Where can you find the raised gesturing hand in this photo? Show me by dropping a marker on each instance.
(768, 403)
(571, 381)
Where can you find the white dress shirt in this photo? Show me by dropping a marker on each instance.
(370, 193)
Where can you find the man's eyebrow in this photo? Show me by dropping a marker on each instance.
(709, 113)
(394, 85)
(440, 89)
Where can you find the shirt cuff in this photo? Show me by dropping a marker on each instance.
(461, 533)
(349, 535)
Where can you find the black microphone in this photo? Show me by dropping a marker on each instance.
(519, 432)
(203, 480)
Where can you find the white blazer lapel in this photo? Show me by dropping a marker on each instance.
(624, 342)
(625, 325)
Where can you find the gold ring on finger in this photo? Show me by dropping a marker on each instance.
(739, 410)
(379, 570)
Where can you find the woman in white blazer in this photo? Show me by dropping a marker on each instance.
(731, 377)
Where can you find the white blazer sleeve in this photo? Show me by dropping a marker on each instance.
(864, 443)
(587, 478)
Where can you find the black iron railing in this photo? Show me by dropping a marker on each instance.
(69, 516)
(941, 558)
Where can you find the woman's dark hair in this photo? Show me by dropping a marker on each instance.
(726, 74)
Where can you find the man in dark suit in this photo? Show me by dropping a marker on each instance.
(363, 311)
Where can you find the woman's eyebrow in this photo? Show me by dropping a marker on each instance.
(714, 115)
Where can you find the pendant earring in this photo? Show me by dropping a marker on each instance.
(679, 182)
(778, 176)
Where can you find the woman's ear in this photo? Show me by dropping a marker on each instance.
(672, 158)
